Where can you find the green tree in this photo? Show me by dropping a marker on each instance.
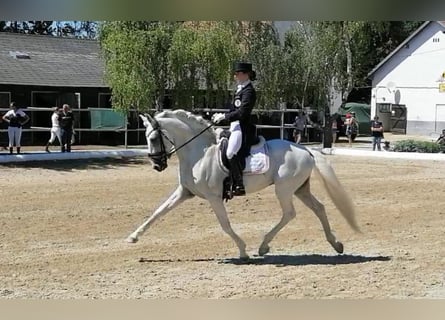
(78, 29)
(29, 27)
(201, 58)
(136, 61)
(193, 59)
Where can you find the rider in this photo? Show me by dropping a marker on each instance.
(240, 122)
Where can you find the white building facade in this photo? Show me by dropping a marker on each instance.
(408, 86)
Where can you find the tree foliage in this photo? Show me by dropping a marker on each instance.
(136, 55)
(201, 57)
(193, 59)
(340, 54)
(77, 29)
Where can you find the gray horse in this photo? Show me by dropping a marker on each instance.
(201, 174)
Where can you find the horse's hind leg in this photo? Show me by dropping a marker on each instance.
(221, 213)
(177, 197)
(287, 206)
(305, 195)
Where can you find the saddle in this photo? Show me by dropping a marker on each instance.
(255, 162)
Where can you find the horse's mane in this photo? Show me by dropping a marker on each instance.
(194, 121)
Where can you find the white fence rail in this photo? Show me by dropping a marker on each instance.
(282, 126)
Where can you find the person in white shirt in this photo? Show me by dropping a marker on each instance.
(15, 118)
(55, 129)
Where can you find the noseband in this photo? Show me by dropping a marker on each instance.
(161, 155)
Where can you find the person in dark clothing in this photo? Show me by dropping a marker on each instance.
(377, 133)
(66, 122)
(441, 141)
(240, 120)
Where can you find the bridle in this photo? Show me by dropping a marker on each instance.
(162, 155)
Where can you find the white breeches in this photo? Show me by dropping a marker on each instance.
(15, 135)
(55, 132)
(235, 140)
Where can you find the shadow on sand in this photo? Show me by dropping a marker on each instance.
(79, 164)
(285, 260)
(307, 259)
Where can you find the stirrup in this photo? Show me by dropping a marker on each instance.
(238, 190)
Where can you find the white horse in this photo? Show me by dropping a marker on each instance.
(200, 174)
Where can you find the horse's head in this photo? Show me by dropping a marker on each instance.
(158, 143)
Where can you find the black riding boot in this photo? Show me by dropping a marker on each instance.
(11, 149)
(47, 147)
(18, 150)
(237, 176)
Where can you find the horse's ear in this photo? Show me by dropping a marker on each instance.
(145, 119)
(150, 118)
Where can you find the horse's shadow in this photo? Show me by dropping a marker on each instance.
(285, 260)
(306, 259)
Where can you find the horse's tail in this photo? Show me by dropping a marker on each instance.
(338, 194)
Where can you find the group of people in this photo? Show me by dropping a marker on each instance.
(62, 121)
(351, 130)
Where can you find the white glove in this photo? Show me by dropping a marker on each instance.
(218, 117)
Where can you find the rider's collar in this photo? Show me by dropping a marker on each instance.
(241, 85)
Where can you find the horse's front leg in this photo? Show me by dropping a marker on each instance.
(174, 200)
(221, 213)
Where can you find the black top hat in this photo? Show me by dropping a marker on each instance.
(242, 67)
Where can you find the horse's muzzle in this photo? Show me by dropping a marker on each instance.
(159, 163)
(160, 167)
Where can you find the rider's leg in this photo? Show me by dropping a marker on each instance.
(237, 175)
(233, 147)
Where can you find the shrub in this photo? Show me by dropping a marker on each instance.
(416, 146)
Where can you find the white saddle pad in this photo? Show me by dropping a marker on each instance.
(258, 161)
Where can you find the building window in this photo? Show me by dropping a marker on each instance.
(44, 99)
(5, 99)
(384, 107)
(104, 100)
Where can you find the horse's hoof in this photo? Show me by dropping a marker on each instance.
(132, 239)
(244, 258)
(338, 247)
(263, 250)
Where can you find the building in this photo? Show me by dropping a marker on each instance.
(45, 71)
(408, 86)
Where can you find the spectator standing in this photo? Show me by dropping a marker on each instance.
(66, 123)
(300, 123)
(351, 126)
(336, 123)
(377, 133)
(55, 129)
(15, 118)
(441, 141)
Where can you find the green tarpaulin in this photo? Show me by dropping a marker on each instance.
(362, 114)
(107, 119)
